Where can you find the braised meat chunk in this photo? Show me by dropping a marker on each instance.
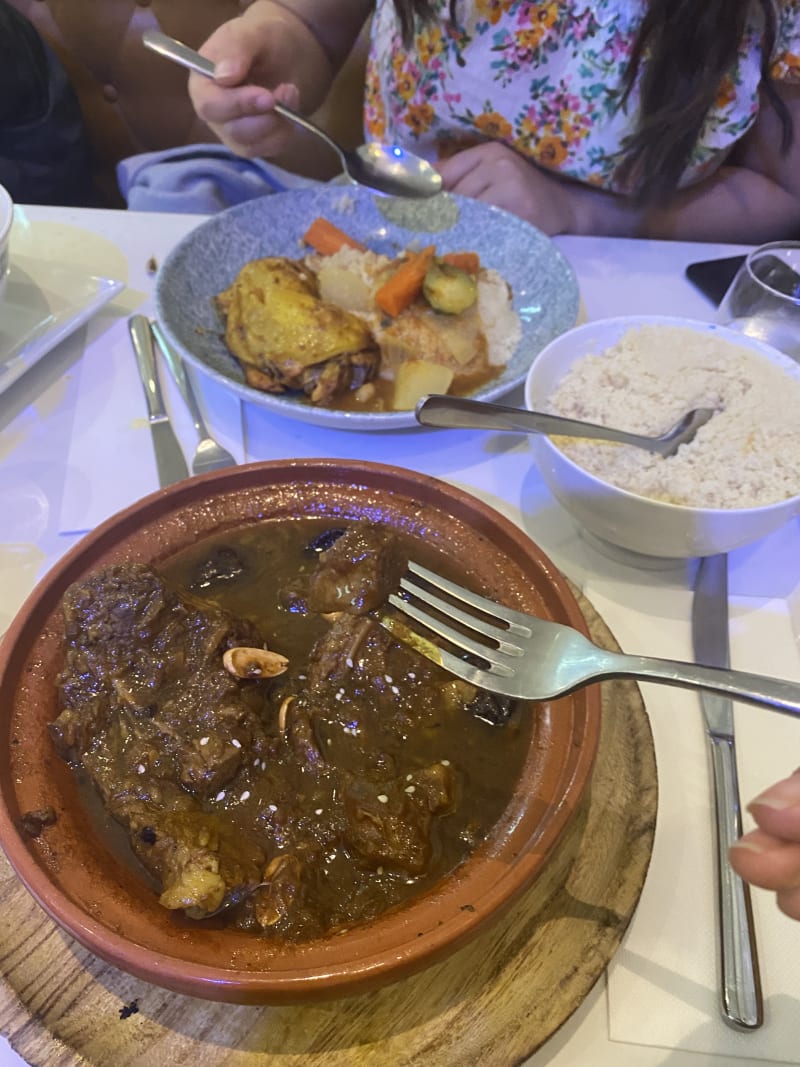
(151, 713)
(358, 572)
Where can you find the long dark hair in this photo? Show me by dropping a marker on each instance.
(688, 47)
(684, 48)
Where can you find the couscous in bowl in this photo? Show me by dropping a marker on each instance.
(735, 483)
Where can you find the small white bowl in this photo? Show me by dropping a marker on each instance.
(6, 219)
(626, 520)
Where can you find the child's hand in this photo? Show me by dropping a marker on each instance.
(498, 175)
(236, 104)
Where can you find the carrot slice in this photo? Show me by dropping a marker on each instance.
(466, 261)
(326, 238)
(405, 285)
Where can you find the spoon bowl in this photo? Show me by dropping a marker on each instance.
(386, 169)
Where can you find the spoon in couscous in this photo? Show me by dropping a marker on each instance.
(459, 412)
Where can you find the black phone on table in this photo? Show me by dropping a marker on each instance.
(714, 276)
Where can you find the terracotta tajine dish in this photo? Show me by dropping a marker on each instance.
(97, 894)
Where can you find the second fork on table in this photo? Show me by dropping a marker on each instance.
(209, 455)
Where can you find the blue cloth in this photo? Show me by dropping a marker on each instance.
(201, 179)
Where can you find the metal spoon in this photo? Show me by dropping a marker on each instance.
(386, 169)
(458, 412)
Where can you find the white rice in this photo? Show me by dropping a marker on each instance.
(501, 325)
(747, 455)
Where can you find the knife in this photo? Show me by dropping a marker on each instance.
(169, 457)
(741, 1001)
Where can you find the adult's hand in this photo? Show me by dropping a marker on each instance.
(769, 856)
(498, 175)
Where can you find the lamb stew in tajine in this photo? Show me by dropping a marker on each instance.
(276, 758)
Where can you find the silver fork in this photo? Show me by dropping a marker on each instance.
(209, 456)
(534, 659)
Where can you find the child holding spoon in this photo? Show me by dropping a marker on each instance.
(655, 118)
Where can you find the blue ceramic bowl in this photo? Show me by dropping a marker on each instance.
(206, 261)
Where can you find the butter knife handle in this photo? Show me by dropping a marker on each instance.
(139, 329)
(742, 1005)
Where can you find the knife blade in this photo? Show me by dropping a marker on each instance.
(740, 983)
(170, 460)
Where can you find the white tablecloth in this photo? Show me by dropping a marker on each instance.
(658, 1006)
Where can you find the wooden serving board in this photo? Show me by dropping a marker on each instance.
(494, 1002)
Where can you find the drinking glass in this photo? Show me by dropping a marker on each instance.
(763, 300)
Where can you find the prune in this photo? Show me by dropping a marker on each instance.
(491, 707)
(323, 541)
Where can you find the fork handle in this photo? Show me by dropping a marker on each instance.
(178, 372)
(750, 688)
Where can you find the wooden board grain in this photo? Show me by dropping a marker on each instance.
(494, 1002)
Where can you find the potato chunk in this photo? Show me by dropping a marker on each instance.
(416, 378)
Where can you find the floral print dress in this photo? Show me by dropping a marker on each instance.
(547, 79)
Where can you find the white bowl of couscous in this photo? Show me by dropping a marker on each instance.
(736, 482)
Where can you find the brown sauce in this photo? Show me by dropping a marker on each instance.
(381, 391)
(375, 780)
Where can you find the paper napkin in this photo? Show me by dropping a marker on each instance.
(110, 462)
(663, 984)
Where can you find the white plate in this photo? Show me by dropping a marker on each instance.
(206, 261)
(45, 301)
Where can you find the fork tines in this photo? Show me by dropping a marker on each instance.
(483, 626)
